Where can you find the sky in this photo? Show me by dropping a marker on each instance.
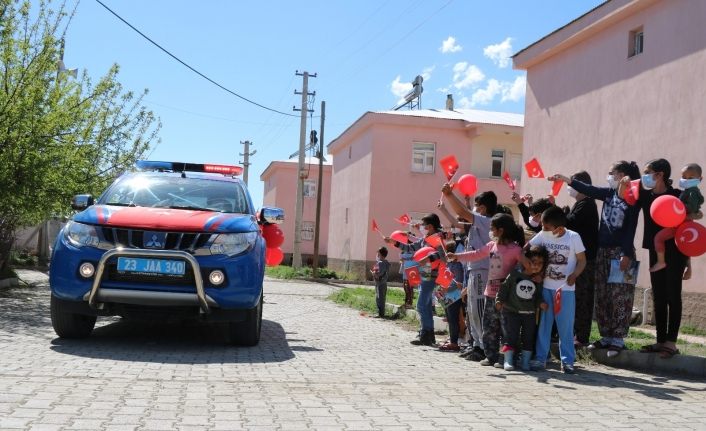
(365, 54)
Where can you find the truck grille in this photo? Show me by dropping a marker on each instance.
(134, 238)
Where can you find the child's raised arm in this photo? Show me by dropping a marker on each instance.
(472, 255)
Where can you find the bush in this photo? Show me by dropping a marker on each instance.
(23, 258)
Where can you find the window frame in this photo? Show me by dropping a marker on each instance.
(308, 185)
(636, 48)
(493, 159)
(418, 149)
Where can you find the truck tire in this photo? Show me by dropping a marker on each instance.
(70, 325)
(247, 333)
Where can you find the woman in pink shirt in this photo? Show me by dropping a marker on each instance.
(505, 252)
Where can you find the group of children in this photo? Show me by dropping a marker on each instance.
(513, 292)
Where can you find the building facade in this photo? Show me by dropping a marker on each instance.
(622, 82)
(386, 164)
(280, 179)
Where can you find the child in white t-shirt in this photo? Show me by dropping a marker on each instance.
(566, 261)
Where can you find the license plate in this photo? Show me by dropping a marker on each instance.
(151, 266)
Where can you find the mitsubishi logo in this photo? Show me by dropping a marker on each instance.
(154, 239)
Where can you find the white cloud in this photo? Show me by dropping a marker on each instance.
(466, 75)
(507, 91)
(500, 53)
(450, 45)
(400, 89)
(486, 95)
(426, 72)
(514, 91)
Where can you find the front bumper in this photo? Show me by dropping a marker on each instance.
(241, 291)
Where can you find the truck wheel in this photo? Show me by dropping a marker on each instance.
(70, 325)
(247, 333)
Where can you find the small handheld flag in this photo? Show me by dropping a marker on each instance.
(534, 170)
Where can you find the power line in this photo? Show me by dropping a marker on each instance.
(191, 68)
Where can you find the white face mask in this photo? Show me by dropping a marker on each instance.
(533, 222)
(423, 230)
(572, 192)
(612, 182)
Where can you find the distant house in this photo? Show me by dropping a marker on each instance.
(623, 81)
(280, 179)
(387, 164)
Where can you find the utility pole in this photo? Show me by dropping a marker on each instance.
(297, 255)
(246, 159)
(319, 189)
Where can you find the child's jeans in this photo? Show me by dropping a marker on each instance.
(453, 311)
(564, 324)
(424, 308)
(663, 236)
(512, 324)
(381, 297)
(492, 330)
(475, 302)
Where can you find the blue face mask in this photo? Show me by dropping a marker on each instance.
(689, 183)
(648, 181)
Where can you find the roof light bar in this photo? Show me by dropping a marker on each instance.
(150, 165)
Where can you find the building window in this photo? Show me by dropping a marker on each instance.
(423, 157)
(346, 219)
(307, 231)
(309, 188)
(636, 42)
(498, 157)
(350, 152)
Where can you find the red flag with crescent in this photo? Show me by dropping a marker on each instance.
(413, 276)
(534, 170)
(450, 166)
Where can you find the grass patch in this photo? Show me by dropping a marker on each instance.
(692, 330)
(288, 273)
(363, 299)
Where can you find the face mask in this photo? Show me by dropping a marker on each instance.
(492, 237)
(533, 222)
(572, 192)
(648, 181)
(423, 230)
(612, 182)
(688, 183)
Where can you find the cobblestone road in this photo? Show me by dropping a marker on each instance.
(318, 366)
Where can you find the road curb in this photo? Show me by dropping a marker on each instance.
(652, 363)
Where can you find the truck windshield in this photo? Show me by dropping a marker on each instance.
(176, 192)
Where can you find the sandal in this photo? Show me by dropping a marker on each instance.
(651, 348)
(668, 352)
(449, 347)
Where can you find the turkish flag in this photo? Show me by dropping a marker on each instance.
(533, 169)
(404, 219)
(556, 187)
(375, 226)
(509, 181)
(557, 301)
(445, 277)
(450, 166)
(632, 192)
(413, 276)
(434, 240)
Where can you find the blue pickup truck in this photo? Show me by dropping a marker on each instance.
(167, 241)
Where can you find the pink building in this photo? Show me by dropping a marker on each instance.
(387, 164)
(280, 180)
(623, 81)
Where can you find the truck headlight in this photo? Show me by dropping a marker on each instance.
(231, 244)
(81, 235)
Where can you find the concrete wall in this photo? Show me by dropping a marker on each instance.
(280, 191)
(377, 181)
(589, 104)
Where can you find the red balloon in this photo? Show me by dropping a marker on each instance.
(273, 256)
(668, 211)
(274, 237)
(690, 238)
(422, 253)
(467, 184)
(400, 236)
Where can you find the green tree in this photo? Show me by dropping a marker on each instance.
(59, 135)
